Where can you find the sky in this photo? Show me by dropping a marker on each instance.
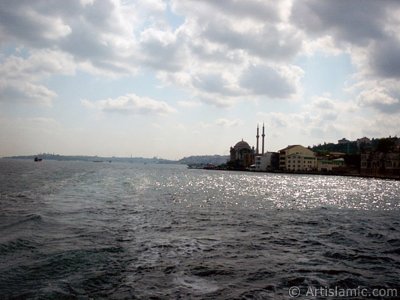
(187, 77)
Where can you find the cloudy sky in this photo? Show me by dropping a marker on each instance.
(180, 77)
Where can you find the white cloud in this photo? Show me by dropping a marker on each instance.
(228, 123)
(222, 53)
(151, 6)
(39, 64)
(324, 103)
(219, 44)
(130, 104)
(22, 76)
(323, 119)
(218, 39)
(25, 92)
(368, 31)
(275, 120)
(380, 99)
(100, 33)
(325, 44)
(208, 55)
(189, 104)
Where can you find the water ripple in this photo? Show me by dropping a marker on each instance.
(123, 231)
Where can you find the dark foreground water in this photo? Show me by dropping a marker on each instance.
(123, 231)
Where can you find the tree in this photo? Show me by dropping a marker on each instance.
(386, 145)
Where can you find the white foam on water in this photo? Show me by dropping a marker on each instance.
(196, 284)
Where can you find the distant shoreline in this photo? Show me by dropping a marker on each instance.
(56, 157)
(193, 159)
(385, 177)
(141, 160)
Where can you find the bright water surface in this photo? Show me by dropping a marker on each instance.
(81, 230)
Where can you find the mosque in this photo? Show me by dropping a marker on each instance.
(242, 155)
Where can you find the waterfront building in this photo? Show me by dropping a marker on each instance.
(262, 141)
(380, 163)
(297, 158)
(241, 155)
(267, 162)
(329, 165)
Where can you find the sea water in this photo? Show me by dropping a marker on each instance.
(127, 231)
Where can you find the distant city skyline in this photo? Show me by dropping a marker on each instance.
(179, 78)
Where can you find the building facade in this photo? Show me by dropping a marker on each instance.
(329, 165)
(241, 155)
(380, 163)
(296, 158)
(267, 162)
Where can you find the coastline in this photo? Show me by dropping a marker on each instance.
(377, 176)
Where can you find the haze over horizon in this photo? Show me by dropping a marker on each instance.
(178, 78)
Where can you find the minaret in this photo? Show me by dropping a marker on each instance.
(257, 137)
(262, 142)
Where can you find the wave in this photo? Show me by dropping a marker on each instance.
(19, 244)
(24, 220)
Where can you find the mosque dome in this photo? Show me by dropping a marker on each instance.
(242, 145)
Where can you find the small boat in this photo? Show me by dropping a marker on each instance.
(38, 159)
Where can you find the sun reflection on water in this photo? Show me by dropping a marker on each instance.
(263, 191)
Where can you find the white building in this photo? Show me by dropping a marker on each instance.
(297, 158)
(265, 162)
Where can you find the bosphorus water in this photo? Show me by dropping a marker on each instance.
(127, 231)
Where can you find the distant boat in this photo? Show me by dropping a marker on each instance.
(97, 161)
(38, 159)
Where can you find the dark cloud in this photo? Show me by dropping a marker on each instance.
(262, 10)
(356, 21)
(264, 80)
(393, 108)
(83, 44)
(91, 32)
(23, 22)
(267, 42)
(212, 83)
(162, 50)
(368, 29)
(385, 58)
